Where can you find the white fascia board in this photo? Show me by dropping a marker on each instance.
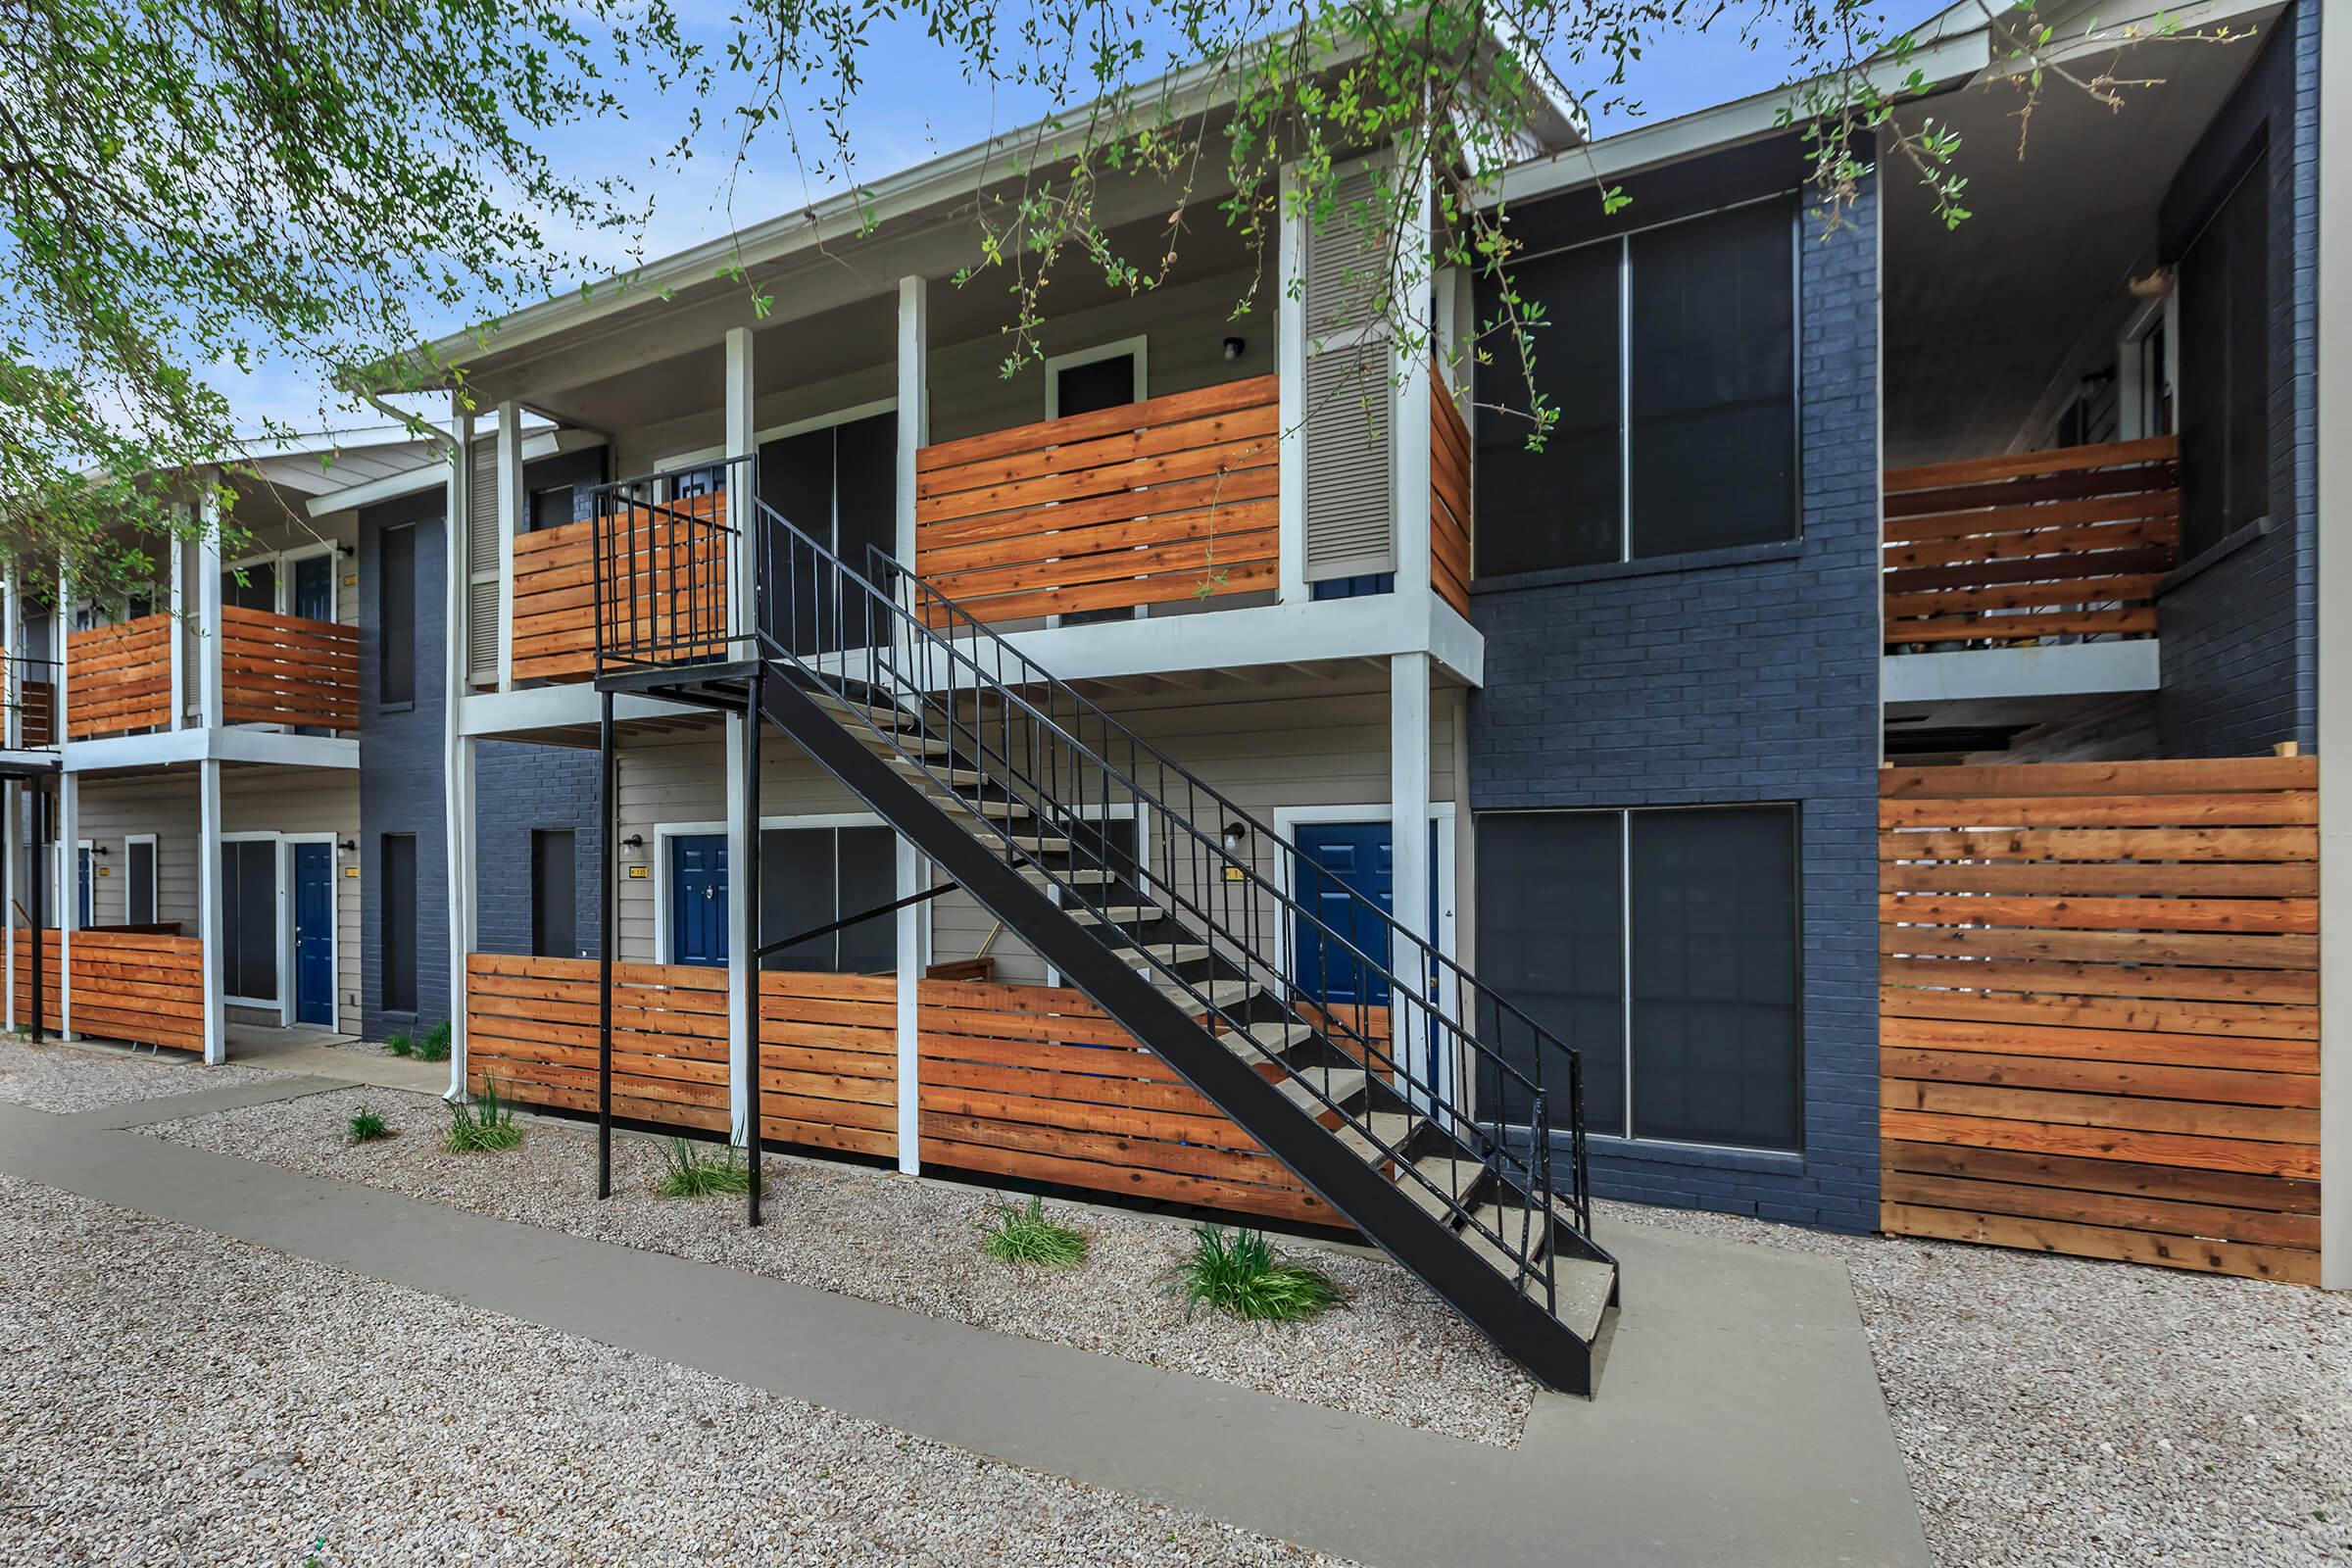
(2070, 669)
(433, 473)
(1725, 124)
(237, 744)
(556, 707)
(1374, 626)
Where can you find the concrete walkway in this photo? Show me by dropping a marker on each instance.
(321, 1054)
(1739, 1420)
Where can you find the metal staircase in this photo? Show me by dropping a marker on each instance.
(1420, 1112)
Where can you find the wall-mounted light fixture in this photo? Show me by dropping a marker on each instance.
(100, 849)
(1234, 347)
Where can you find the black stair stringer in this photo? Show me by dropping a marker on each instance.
(1553, 1353)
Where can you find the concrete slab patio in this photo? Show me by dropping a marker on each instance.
(1739, 1419)
(325, 1053)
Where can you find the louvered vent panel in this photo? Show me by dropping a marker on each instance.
(1343, 264)
(482, 562)
(1350, 413)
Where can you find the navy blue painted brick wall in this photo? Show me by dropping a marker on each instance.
(1754, 678)
(2240, 634)
(518, 787)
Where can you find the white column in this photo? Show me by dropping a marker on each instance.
(208, 606)
(457, 751)
(68, 894)
(2334, 674)
(11, 801)
(914, 402)
(743, 439)
(1408, 381)
(743, 820)
(179, 635)
(510, 502)
(912, 873)
(60, 632)
(207, 897)
(1290, 367)
(1408, 847)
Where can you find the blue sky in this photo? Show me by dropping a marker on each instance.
(915, 105)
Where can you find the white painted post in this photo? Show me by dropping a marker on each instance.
(1290, 366)
(208, 608)
(743, 820)
(1408, 379)
(457, 753)
(69, 896)
(743, 440)
(2334, 674)
(1409, 848)
(12, 800)
(208, 894)
(179, 635)
(911, 873)
(510, 502)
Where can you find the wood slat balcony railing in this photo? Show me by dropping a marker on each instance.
(282, 670)
(1448, 497)
(1149, 503)
(119, 678)
(2068, 543)
(28, 703)
(555, 582)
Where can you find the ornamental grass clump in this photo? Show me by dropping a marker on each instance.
(483, 1127)
(690, 1170)
(400, 1044)
(1016, 1235)
(365, 1126)
(1239, 1272)
(435, 1047)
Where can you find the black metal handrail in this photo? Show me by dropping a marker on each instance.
(1072, 781)
(665, 591)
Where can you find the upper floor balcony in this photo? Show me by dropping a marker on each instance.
(294, 670)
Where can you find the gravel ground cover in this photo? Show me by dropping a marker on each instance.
(1395, 1351)
(2062, 1412)
(336, 1422)
(61, 1077)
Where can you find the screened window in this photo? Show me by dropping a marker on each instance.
(551, 508)
(396, 910)
(140, 854)
(1663, 945)
(249, 918)
(396, 616)
(812, 876)
(555, 902)
(2226, 366)
(1671, 358)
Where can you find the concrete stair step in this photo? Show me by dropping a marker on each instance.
(1389, 1127)
(1581, 1288)
(1174, 952)
(937, 773)
(1451, 1177)
(1264, 1042)
(1339, 1085)
(859, 712)
(1119, 914)
(1506, 1222)
(1220, 994)
(1072, 876)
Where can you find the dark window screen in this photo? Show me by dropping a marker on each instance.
(1717, 1039)
(2224, 364)
(1101, 384)
(249, 920)
(395, 908)
(1711, 432)
(1559, 507)
(396, 615)
(250, 587)
(551, 508)
(812, 876)
(555, 900)
(141, 856)
(1550, 941)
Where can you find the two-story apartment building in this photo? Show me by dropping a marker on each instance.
(1219, 765)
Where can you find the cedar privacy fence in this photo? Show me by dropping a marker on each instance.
(1028, 1082)
(2099, 1013)
(142, 987)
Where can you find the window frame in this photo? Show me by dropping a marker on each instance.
(2177, 322)
(385, 927)
(1631, 1136)
(1139, 345)
(155, 868)
(383, 582)
(1623, 240)
(282, 926)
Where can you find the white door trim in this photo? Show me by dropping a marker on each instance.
(1288, 819)
(283, 1003)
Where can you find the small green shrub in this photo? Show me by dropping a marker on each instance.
(690, 1170)
(1015, 1235)
(435, 1047)
(400, 1044)
(484, 1126)
(1239, 1272)
(366, 1125)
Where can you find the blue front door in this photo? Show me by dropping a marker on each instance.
(81, 880)
(314, 934)
(697, 899)
(1336, 859)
